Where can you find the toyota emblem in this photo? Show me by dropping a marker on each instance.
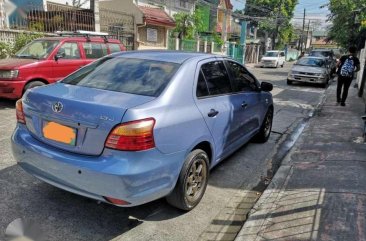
(57, 107)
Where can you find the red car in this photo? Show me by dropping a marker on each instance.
(47, 60)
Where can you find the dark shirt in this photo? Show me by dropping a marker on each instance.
(356, 62)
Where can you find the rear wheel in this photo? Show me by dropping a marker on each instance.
(32, 84)
(265, 130)
(192, 181)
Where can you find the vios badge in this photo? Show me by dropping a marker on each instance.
(57, 107)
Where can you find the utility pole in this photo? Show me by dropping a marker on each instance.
(302, 32)
(307, 35)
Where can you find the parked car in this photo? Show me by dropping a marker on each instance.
(137, 126)
(330, 57)
(310, 70)
(47, 60)
(273, 58)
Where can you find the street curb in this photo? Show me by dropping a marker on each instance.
(266, 204)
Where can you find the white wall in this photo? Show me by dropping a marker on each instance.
(69, 2)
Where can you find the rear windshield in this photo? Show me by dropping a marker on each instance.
(320, 54)
(271, 54)
(127, 75)
(311, 62)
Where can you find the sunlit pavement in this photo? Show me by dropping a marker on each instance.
(319, 192)
(234, 185)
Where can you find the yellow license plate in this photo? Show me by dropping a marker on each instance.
(60, 133)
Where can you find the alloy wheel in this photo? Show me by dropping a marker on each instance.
(196, 180)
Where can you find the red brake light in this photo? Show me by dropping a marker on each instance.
(132, 136)
(116, 201)
(19, 111)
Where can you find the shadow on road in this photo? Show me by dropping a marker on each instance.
(7, 104)
(66, 216)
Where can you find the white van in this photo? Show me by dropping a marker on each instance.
(273, 58)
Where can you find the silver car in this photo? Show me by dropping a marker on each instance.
(310, 70)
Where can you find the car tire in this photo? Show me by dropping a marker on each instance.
(283, 64)
(266, 128)
(192, 181)
(32, 84)
(289, 82)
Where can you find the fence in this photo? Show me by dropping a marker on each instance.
(55, 17)
(9, 36)
(118, 24)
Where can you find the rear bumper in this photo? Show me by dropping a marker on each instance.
(135, 177)
(268, 64)
(11, 89)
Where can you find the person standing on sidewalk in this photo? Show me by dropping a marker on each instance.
(347, 66)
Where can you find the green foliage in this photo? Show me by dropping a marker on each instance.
(23, 39)
(217, 39)
(276, 15)
(345, 17)
(36, 26)
(5, 50)
(188, 25)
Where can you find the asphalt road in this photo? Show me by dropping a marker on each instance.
(233, 188)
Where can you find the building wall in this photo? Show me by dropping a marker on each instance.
(2, 15)
(161, 34)
(171, 7)
(128, 6)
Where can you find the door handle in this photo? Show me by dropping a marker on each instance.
(244, 105)
(212, 113)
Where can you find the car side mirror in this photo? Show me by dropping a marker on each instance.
(267, 87)
(59, 56)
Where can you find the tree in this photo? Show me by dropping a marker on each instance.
(188, 25)
(273, 17)
(344, 15)
(79, 3)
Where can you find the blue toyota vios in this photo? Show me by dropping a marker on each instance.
(137, 126)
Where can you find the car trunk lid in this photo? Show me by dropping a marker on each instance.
(84, 116)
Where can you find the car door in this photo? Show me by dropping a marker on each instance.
(213, 90)
(246, 100)
(69, 60)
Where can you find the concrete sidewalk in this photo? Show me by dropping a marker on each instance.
(319, 192)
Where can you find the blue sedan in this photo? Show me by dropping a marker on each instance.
(137, 126)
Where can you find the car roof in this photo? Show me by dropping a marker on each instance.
(80, 38)
(321, 50)
(313, 57)
(164, 55)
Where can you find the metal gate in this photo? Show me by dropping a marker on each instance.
(121, 25)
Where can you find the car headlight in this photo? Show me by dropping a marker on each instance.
(294, 72)
(9, 74)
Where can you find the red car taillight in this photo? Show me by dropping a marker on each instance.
(19, 111)
(132, 136)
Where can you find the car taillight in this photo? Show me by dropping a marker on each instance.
(19, 111)
(132, 136)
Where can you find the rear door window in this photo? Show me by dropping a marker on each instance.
(242, 79)
(127, 75)
(95, 50)
(216, 77)
(113, 48)
(202, 89)
(69, 51)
